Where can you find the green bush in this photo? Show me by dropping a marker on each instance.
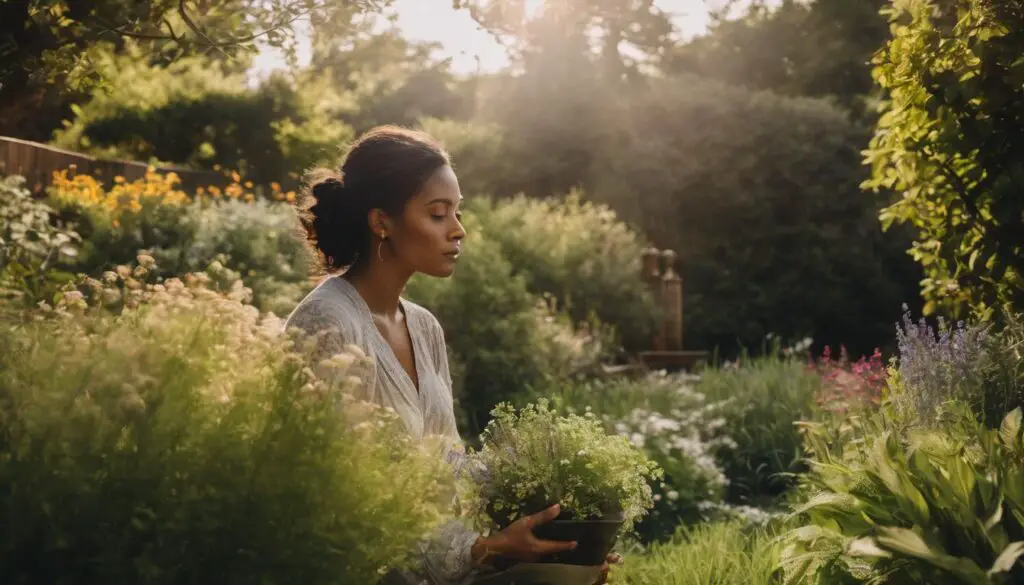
(32, 244)
(722, 553)
(505, 342)
(193, 112)
(257, 239)
(677, 428)
(476, 151)
(765, 397)
(886, 503)
(183, 440)
(759, 195)
(581, 254)
(947, 143)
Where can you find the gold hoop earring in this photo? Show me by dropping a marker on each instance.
(379, 244)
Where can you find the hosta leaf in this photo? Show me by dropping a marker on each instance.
(909, 543)
(996, 517)
(867, 547)
(1008, 558)
(1009, 430)
(840, 502)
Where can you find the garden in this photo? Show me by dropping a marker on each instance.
(850, 238)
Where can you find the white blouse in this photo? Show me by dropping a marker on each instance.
(337, 313)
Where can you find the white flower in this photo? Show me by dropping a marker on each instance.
(673, 495)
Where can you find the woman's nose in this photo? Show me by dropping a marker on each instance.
(459, 232)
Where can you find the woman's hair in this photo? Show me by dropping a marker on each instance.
(383, 169)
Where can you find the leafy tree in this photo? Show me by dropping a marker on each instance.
(192, 112)
(602, 27)
(57, 44)
(388, 78)
(821, 48)
(951, 143)
(758, 194)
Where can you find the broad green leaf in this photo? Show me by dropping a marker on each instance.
(1009, 430)
(908, 542)
(1007, 559)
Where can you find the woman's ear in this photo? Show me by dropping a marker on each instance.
(380, 224)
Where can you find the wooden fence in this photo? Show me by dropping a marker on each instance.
(37, 163)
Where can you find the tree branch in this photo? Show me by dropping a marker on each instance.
(204, 39)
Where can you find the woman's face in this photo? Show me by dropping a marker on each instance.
(428, 235)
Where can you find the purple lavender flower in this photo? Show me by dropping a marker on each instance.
(937, 366)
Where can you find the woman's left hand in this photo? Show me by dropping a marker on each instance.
(611, 559)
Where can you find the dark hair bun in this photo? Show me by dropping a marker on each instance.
(383, 169)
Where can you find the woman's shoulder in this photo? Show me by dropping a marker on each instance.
(326, 306)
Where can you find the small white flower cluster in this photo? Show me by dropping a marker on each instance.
(684, 438)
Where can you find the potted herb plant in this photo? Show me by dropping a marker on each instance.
(535, 458)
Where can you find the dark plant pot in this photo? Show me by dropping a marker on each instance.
(594, 537)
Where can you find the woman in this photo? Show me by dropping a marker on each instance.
(393, 211)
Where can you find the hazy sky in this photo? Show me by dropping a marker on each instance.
(464, 42)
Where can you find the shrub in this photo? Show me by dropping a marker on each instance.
(766, 397)
(973, 363)
(678, 430)
(938, 366)
(849, 386)
(184, 440)
(887, 503)
(579, 253)
(506, 342)
(32, 244)
(947, 143)
(476, 151)
(723, 553)
(758, 194)
(253, 237)
(195, 113)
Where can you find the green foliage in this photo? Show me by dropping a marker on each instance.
(676, 427)
(595, 30)
(255, 241)
(948, 143)
(185, 440)
(193, 112)
(818, 49)
(758, 195)
(581, 254)
(765, 398)
(476, 151)
(505, 341)
(722, 553)
(1004, 371)
(389, 78)
(258, 241)
(59, 33)
(535, 458)
(887, 504)
(32, 244)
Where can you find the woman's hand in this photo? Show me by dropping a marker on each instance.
(518, 542)
(611, 559)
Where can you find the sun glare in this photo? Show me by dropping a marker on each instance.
(470, 48)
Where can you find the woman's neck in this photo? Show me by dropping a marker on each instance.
(381, 288)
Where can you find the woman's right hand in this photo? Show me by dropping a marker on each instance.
(518, 542)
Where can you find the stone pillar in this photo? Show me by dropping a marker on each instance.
(672, 302)
(651, 275)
